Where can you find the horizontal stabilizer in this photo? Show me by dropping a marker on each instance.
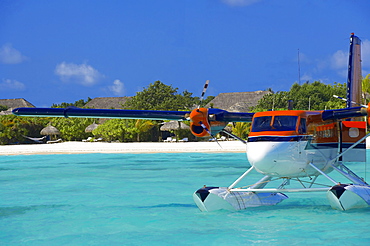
(335, 114)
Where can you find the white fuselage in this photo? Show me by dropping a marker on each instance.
(288, 158)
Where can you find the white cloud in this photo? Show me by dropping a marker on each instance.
(303, 58)
(240, 2)
(339, 60)
(9, 55)
(365, 54)
(306, 77)
(80, 73)
(10, 84)
(117, 88)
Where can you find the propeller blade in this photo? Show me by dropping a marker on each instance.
(346, 100)
(203, 92)
(209, 132)
(205, 128)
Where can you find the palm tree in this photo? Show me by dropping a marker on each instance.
(241, 129)
(366, 86)
(143, 126)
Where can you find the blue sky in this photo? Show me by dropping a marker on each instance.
(62, 51)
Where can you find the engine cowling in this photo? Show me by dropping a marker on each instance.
(202, 126)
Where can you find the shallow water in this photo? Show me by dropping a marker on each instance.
(146, 199)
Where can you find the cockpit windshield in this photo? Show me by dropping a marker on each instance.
(276, 123)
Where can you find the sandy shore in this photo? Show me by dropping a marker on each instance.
(102, 147)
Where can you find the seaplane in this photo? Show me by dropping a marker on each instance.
(288, 149)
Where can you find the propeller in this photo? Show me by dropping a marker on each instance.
(203, 92)
(199, 117)
(199, 124)
(344, 99)
(362, 105)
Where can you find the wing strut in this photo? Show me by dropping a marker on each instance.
(234, 136)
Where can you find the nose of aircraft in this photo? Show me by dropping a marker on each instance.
(274, 158)
(263, 155)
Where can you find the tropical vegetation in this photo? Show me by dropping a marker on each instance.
(158, 96)
(13, 129)
(308, 96)
(80, 103)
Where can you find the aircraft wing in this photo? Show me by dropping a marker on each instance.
(213, 114)
(101, 113)
(335, 114)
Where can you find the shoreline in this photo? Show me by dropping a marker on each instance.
(75, 147)
(134, 148)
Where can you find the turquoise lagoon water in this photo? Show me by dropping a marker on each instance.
(146, 199)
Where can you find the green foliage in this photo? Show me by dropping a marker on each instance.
(80, 103)
(185, 101)
(366, 84)
(158, 96)
(366, 87)
(241, 129)
(13, 128)
(313, 96)
(208, 99)
(277, 101)
(72, 128)
(143, 126)
(3, 107)
(117, 129)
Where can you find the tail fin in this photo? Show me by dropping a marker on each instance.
(354, 81)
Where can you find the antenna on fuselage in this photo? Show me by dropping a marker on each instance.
(290, 104)
(299, 70)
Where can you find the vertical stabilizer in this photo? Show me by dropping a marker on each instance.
(354, 81)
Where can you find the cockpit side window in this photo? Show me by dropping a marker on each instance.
(262, 124)
(280, 123)
(285, 123)
(302, 126)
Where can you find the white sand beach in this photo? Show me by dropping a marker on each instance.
(143, 147)
(102, 147)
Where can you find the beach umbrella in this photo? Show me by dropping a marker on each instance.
(91, 127)
(50, 131)
(173, 125)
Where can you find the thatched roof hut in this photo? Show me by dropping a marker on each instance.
(50, 130)
(173, 125)
(107, 102)
(14, 103)
(237, 101)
